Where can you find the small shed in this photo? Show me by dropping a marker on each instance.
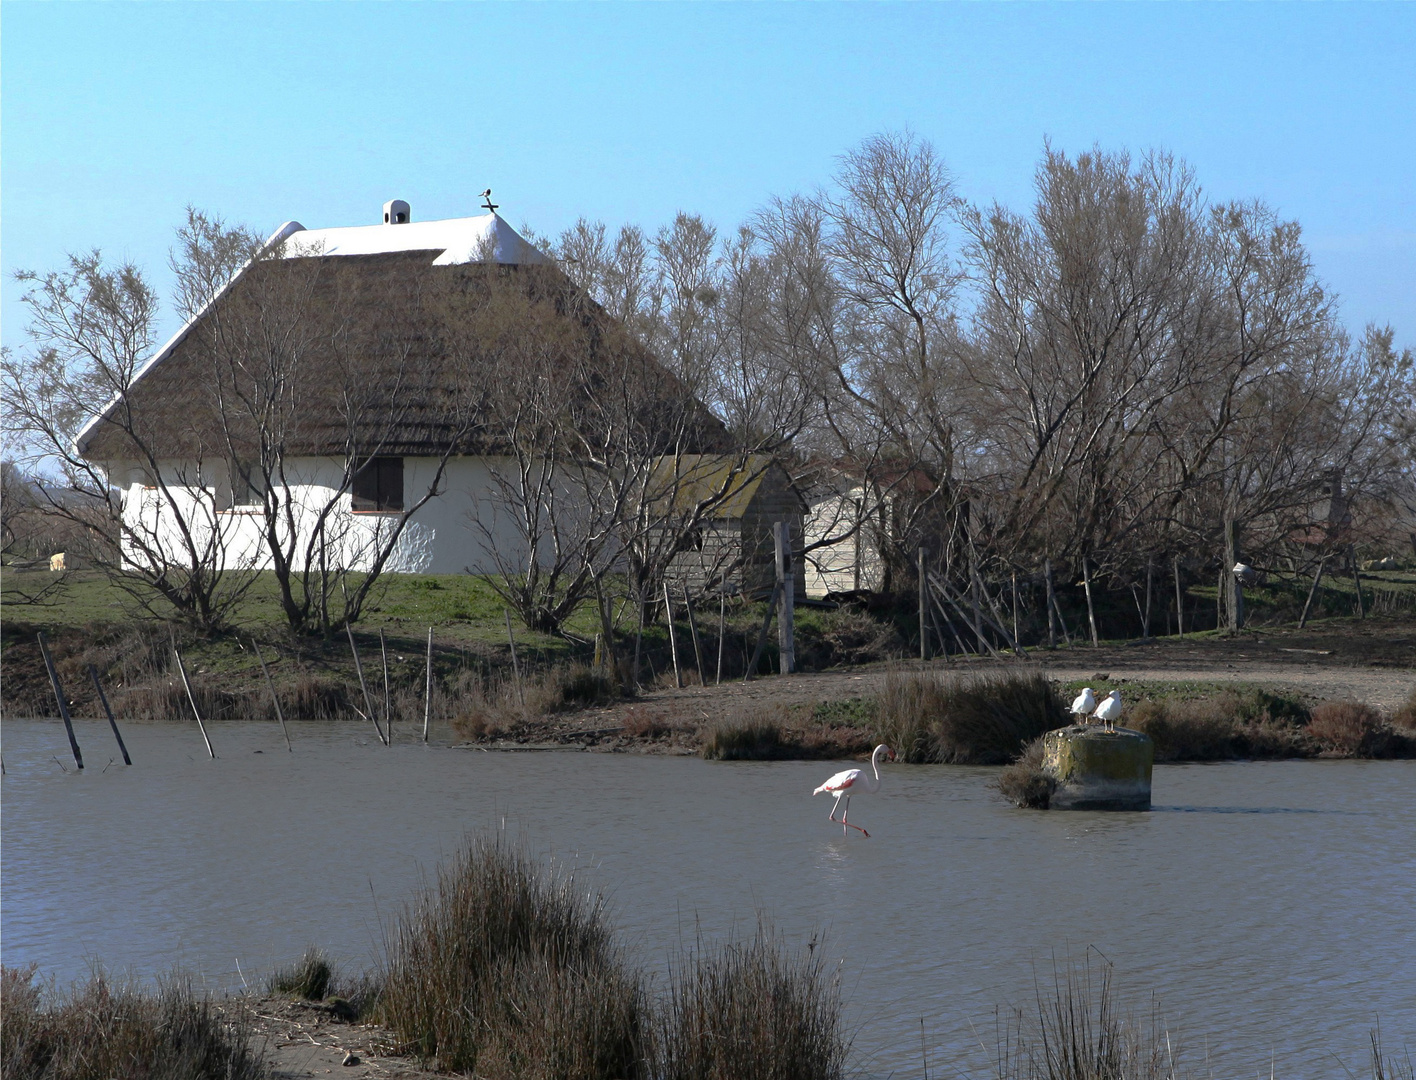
(723, 509)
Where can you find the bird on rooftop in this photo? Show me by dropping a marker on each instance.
(1109, 711)
(843, 784)
(487, 196)
(1084, 704)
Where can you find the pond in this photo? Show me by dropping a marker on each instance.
(1267, 907)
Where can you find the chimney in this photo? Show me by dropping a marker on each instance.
(397, 212)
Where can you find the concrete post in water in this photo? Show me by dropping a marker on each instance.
(1095, 769)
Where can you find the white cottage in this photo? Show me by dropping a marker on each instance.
(339, 388)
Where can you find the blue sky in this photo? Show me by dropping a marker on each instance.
(116, 116)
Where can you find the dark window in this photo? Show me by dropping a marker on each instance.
(247, 485)
(379, 485)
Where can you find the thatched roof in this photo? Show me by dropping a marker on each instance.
(359, 341)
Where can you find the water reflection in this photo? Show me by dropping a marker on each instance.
(1267, 904)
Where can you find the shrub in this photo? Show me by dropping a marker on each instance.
(751, 1011)
(930, 716)
(308, 979)
(510, 970)
(749, 736)
(644, 723)
(1405, 715)
(842, 637)
(1349, 729)
(1231, 724)
(113, 1031)
(1024, 782)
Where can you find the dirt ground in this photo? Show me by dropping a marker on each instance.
(302, 1040)
(1372, 661)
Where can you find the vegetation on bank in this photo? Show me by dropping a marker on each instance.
(110, 1029)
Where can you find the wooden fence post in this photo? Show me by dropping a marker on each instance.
(923, 607)
(1179, 601)
(786, 597)
(59, 697)
(388, 706)
(103, 700)
(673, 641)
(1357, 580)
(722, 626)
(1317, 577)
(428, 689)
(1091, 611)
(1051, 605)
(693, 631)
(1146, 622)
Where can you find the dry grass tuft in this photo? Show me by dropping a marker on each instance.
(1349, 729)
(1405, 715)
(754, 735)
(509, 970)
(104, 1030)
(1229, 725)
(1024, 782)
(751, 1011)
(933, 717)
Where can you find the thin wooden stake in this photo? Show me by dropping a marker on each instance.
(638, 630)
(388, 711)
(762, 635)
(1150, 568)
(1016, 636)
(363, 686)
(1051, 605)
(673, 641)
(182, 670)
(786, 598)
(1317, 577)
(693, 629)
(923, 606)
(428, 689)
(722, 625)
(1091, 612)
(103, 699)
(958, 608)
(59, 697)
(1357, 580)
(1179, 601)
(279, 712)
(515, 666)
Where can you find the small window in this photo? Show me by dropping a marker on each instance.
(247, 485)
(378, 486)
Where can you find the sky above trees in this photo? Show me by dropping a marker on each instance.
(117, 117)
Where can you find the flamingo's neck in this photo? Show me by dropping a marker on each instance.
(874, 785)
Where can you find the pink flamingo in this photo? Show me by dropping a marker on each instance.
(853, 780)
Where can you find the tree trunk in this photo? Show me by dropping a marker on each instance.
(1051, 606)
(1233, 587)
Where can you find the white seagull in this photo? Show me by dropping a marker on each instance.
(1109, 711)
(854, 780)
(1085, 703)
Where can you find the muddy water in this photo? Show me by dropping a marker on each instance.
(1268, 906)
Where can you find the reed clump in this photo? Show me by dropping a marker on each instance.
(753, 1010)
(752, 735)
(1081, 1031)
(107, 1030)
(308, 978)
(929, 716)
(508, 969)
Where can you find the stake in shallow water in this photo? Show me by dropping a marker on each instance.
(279, 715)
(59, 697)
(103, 700)
(192, 698)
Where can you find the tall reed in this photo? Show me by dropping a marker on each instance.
(929, 716)
(752, 1010)
(106, 1030)
(510, 970)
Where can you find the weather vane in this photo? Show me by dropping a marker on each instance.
(487, 195)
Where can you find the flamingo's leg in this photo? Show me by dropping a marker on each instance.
(834, 806)
(846, 822)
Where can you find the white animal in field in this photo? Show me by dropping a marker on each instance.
(56, 562)
(1085, 703)
(853, 781)
(1109, 711)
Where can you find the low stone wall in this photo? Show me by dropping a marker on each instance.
(1095, 769)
